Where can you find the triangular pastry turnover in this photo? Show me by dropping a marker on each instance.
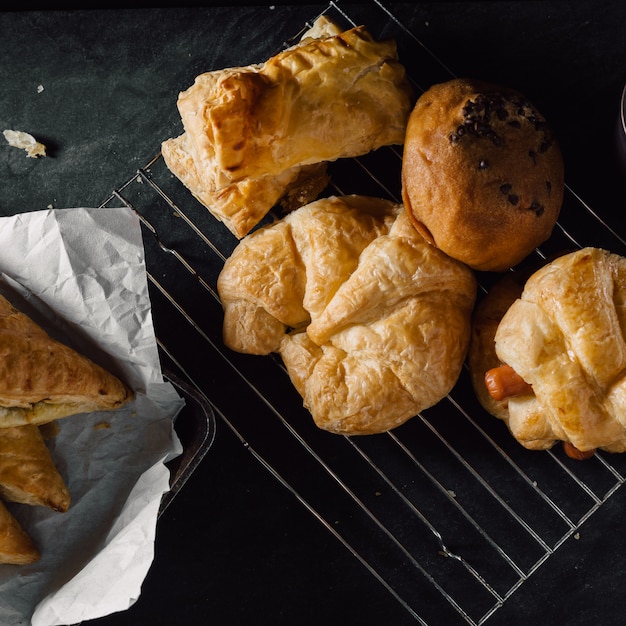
(16, 547)
(42, 379)
(27, 472)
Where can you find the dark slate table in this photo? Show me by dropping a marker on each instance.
(235, 546)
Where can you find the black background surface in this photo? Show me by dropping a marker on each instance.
(235, 546)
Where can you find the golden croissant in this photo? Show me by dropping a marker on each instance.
(371, 321)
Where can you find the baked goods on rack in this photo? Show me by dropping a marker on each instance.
(482, 173)
(371, 321)
(563, 336)
(254, 135)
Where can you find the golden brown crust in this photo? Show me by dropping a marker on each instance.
(16, 547)
(42, 379)
(565, 336)
(243, 204)
(481, 356)
(482, 173)
(382, 318)
(250, 130)
(27, 471)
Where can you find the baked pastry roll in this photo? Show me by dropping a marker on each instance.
(42, 380)
(371, 322)
(253, 133)
(27, 471)
(16, 547)
(562, 335)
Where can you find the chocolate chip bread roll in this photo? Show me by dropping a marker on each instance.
(482, 173)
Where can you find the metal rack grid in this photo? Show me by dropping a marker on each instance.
(447, 512)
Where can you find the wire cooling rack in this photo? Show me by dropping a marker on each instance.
(447, 512)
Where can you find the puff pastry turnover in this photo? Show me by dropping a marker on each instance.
(254, 133)
(42, 379)
(564, 336)
(16, 547)
(372, 323)
(27, 471)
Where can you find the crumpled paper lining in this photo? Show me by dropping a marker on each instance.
(81, 274)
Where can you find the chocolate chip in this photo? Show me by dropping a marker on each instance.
(505, 188)
(483, 164)
(513, 198)
(533, 156)
(548, 186)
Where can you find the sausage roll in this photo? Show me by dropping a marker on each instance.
(553, 367)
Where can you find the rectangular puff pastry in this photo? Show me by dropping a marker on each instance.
(251, 129)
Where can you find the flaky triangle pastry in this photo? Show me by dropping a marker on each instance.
(27, 472)
(42, 379)
(16, 547)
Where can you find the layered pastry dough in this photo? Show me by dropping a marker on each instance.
(16, 547)
(372, 323)
(256, 133)
(27, 471)
(564, 336)
(42, 380)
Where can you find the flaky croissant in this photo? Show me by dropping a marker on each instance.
(564, 337)
(371, 322)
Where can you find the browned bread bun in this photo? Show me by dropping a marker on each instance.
(482, 173)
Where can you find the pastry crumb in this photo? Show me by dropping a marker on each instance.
(25, 141)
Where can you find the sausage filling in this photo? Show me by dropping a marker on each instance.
(504, 382)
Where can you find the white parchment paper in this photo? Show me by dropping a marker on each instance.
(81, 274)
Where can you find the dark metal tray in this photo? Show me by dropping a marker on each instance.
(195, 426)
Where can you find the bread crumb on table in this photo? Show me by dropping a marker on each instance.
(25, 141)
